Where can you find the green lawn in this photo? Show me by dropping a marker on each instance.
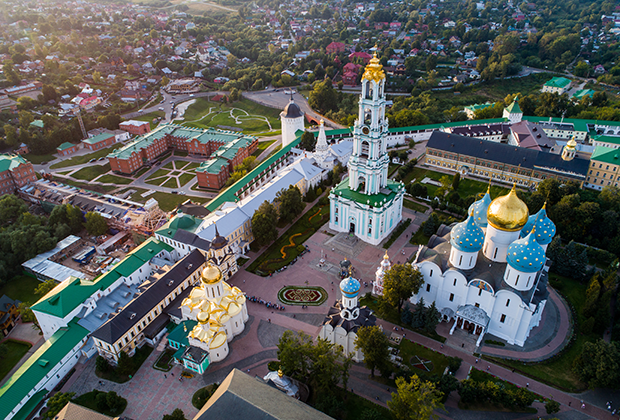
(89, 400)
(89, 173)
(79, 160)
(103, 189)
(156, 181)
(141, 172)
(21, 288)
(190, 166)
(155, 115)
(169, 201)
(306, 226)
(113, 179)
(408, 351)
(221, 115)
(171, 183)
(262, 146)
(38, 159)
(419, 238)
(414, 206)
(181, 153)
(158, 174)
(169, 165)
(185, 178)
(466, 188)
(15, 351)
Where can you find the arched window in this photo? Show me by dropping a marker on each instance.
(367, 116)
(361, 184)
(369, 90)
(365, 150)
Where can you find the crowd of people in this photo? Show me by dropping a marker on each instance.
(266, 303)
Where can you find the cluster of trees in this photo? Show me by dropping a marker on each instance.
(400, 283)
(597, 365)
(489, 392)
(241, 170)
(335, 105)
(287, 205)
(421, 317)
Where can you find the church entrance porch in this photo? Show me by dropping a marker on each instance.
(352, 228)
(471, 319)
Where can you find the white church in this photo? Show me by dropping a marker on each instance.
(367, 204)
(488, 274)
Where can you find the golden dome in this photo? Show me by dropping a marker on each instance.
(374, 70)
(202, 317)
(385, 257)
(508, 212)
(211, 274)
(572, 143)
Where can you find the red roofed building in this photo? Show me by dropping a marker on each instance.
(364, 56)
(350, 72)
(336, 47)
(135, 127)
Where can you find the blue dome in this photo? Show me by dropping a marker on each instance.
(467, 236)
(544, 227)
(480, 208)
(350, 287)
(526, 254)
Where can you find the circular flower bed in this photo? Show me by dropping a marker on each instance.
(298, 295)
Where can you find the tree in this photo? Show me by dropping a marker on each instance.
(264, 224)
(56, 403)
(114, 401)
(308, 141)
(177, 414)
(164, 81)
(598, 365)
(125, 364)
(400, 283)
(95, 224)
(26, 313)
(102, 364)
(49, 93)
(415, 399)
(323, 97)
(10, 134)
(45, 287)
(375, 346)
(552, 407)
(290, 203)
(456, 178)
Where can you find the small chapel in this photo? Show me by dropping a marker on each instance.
(346, 317)
(488, 274)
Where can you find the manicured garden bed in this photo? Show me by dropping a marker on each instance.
(296, 295)
(164, 360)
(137, 360)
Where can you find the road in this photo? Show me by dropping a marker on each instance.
(168, 104)
(280, 99)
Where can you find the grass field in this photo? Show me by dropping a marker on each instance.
(158, 174)
(169, 165)
(262, 146)
(185, 178)
(89, 400)
(245, 114)
(156, 181)
(21, 288)
(466, 188)
(79, 160)
(190, 166)
(150, 117)
(91, 187)
(113, 179)
(38, 159)
(15, 351)
(414, 206)
(171, 183)
(89, 173)
(168, 202)
(141, 172)
(409, 349)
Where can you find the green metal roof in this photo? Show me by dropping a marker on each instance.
(375, 200)
(606, 155)
(30, 405)
(606, 139)
(185, 222)
(558, 82)
(578, 124)
(229, 193)
(582, 93)
(10, 162)
(38, 366)
(65, 146)
(72, 292)
(212, 166)
(37, 123)
(514, 107)
(179, 334)
(97, 138)
(447, 124)
(476, 107)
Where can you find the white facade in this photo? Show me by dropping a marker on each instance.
(498, 290)
(366, 203)
(377, 286)
(292, 119)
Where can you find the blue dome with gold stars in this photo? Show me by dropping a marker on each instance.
(467, 236)
(480, 208)
(544, 227)
(350, 287)
(526, 254)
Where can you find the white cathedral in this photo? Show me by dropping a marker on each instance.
(367, 203)
(489, 273)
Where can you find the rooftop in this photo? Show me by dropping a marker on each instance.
(606, 155)
(558, 82)
(99, 137)
(10, 162)
(376, 200)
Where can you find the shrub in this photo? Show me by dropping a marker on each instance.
(454, 363)
(102, 364)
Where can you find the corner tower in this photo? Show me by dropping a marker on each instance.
(292, 119)
(367, 204)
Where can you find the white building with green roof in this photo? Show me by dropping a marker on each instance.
(367, 203)
(557, 85)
